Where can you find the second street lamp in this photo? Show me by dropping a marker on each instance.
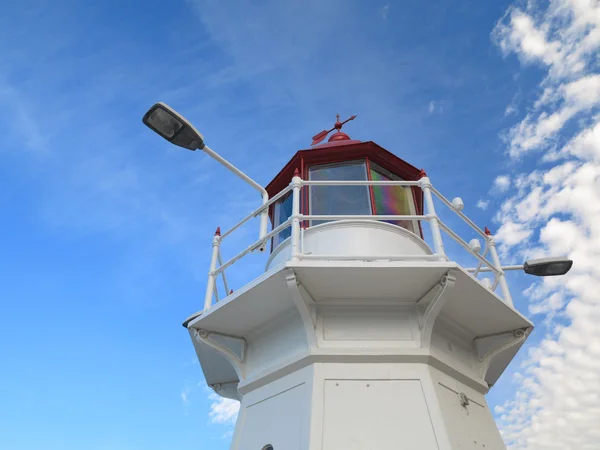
(544, 267)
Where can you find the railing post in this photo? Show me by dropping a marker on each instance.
(264, 221)
(296, 186)
(210, 284)
(438, 245)
(501, 277)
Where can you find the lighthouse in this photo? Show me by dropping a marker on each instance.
(363, 332)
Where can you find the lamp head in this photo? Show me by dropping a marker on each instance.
(547, 267)
(172, 126)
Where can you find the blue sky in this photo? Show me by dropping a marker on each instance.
(107, 229)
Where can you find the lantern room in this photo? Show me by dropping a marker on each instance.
(344, 159)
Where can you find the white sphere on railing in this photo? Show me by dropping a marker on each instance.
(475, 245)
(458, 204)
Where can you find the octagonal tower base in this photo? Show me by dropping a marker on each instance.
(358, 355)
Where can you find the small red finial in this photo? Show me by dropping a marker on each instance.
(422, 173)
(338, 124)
(296, 172)
(487, 231)
(218, 232)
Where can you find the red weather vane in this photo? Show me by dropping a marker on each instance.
(323, 134)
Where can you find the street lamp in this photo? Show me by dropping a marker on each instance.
(172, 126)
(547, 267)
(544, 267)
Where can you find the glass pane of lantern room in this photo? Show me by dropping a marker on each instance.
(282, 212)
(339, 200)
(393, 200)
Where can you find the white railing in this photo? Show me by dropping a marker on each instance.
(218, 267)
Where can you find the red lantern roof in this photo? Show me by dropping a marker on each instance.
(341, 150)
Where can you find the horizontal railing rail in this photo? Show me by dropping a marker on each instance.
(373, 257)
(449, 204)
(466, 246)
(359, 183)
(254, 246)
(436, 226)
(360, 217)
(256, 213)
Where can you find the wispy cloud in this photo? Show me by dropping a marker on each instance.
(502, 183)
(223, 410)
(435, 107)
(482, 204)
(512, 107)
(385, 9)
(185, 392)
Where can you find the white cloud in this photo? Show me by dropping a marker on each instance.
(512, 107)
(529, 41)
(511, 233)
(557, 405)
(502, 183)
(435, 107)
(384, 11)
(586, 144)
(223, 410)
(538, 128)
(569, 56)
(482, 204)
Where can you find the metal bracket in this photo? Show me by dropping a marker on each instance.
(437, 297)
(486, 355)
(236, 360)
(305, 305)
(227, 389)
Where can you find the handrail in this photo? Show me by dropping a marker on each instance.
(466, 246)
(297, 250)
(360, 183)
(256, 212)
(361, 217)
(254, 246)
(459, 213)
(373, 257)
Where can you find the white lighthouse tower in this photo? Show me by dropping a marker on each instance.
(359, 335)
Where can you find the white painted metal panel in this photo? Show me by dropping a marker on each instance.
(396, 282)
(453, 346)
(279, 340)
(354, 237)
(469, 427)
(277, 420)
(252, 306)
(376, 414)
(480, 311)
(367, 324)
(216, 368)
(500, 363)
